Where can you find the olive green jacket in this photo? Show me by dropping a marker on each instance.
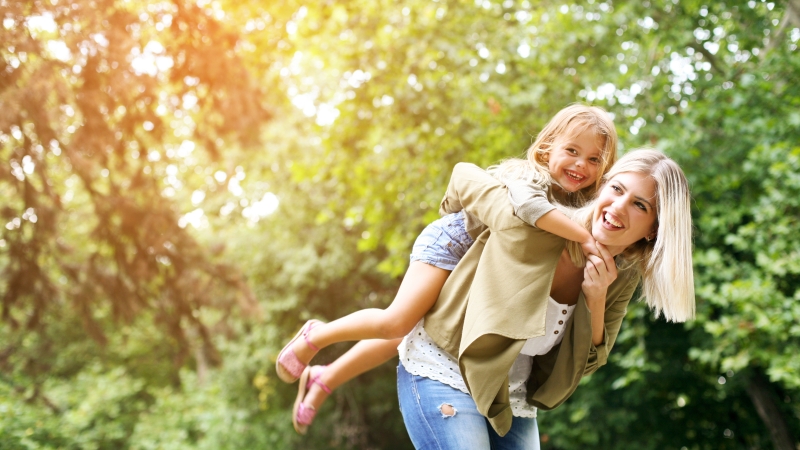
(496, 298)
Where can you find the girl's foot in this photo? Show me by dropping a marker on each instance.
(294, 357)
(310, 394)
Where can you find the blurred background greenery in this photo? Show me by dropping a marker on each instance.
(184, 183)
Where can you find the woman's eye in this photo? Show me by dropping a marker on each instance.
(641, 206)
(616, 188)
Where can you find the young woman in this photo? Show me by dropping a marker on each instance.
(518, 324)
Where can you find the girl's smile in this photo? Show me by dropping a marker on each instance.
(573, 162)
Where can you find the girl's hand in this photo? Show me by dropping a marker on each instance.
(589, 247)
(599, 272)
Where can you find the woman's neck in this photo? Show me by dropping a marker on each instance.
(567, 281)
(615, 250)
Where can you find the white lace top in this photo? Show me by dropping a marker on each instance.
(420, 356)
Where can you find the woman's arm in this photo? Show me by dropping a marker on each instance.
(613, 310)
(598, 275)
(556, 375)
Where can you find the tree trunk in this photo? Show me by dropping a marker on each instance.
(793, 12)
(763, 398)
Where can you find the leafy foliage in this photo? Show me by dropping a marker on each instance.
(187, 182)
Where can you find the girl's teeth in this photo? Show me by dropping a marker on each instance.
(574, 177)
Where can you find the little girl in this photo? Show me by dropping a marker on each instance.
(565, 162)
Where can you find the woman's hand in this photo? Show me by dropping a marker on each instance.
(598, 274)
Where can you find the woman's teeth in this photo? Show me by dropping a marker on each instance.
(611, 220)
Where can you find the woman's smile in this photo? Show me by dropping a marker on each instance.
(625, 211)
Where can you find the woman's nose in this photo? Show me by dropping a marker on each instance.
(618, 206)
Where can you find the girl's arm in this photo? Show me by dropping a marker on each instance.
(486, 198)
(557, 223)
(531, 204)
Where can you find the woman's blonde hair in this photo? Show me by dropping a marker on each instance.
(666, 261)
(566, 124)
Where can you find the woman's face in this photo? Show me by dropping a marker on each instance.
(625, 211)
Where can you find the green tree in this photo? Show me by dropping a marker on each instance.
(188, 182)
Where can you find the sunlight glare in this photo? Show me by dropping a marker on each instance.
(41, 24)
(185, 149)
(27, 164)
(262, 208)
(198, 197)
(148, 61)
(196, 218)
(227, 209)
(234, 187)
(524, 50)
(326, 114)
(359, 77)
(59, 50)
(189, 101)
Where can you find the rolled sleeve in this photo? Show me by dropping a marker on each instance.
(529, 200)
(614, 315)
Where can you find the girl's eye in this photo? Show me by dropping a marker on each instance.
(572, 150)
(594, 161)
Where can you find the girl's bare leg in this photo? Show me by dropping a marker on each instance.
(364, 356)
(417, 294)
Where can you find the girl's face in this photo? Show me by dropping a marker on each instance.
(625, 211)
(573, 162)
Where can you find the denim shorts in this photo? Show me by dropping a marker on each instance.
(443, 243)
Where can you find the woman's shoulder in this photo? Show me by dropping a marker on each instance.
(628, 279)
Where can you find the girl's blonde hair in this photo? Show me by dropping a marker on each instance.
(666, 261)
(566, 124)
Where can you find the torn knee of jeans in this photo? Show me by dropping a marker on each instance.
(447, 410)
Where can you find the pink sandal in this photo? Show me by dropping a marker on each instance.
(303, 415)
(288, 366)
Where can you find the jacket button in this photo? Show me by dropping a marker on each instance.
(563, 311)
(555, 332)
(561, 322)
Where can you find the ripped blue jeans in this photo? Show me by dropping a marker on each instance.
(439, 417)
